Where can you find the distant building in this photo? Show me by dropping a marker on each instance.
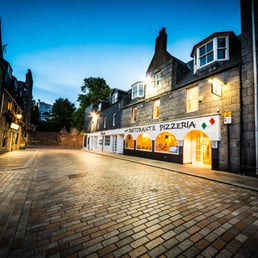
(15, 106)
(45, 110)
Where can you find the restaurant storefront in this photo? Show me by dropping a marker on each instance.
(105, 141)
(188, 141)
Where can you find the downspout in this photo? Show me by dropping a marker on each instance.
(255, 87)
(241, 117)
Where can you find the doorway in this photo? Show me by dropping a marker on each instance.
(197, 149)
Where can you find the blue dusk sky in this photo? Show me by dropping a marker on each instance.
(65, 41)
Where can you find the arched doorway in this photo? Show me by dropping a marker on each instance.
(197, 149)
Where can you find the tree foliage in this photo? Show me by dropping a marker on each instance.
(93, 90)
(61, 116)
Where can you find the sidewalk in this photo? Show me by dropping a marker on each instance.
(24, 158)
(245, 182)
(17, 159)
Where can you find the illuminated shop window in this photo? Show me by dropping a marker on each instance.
(134, 114)
(192, 99)
(156, 109)
(143, 142)
(129, 142)
(166, 142)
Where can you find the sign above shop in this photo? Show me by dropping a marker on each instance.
(14, 126)
(179, 128)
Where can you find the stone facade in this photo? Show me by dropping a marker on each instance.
(201, 112)
(249, 154)
(15, 106)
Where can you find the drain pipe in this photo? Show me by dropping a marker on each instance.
(255, 87)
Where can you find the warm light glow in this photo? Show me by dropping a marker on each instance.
(216, 81)
(19, 115)
(216, 86)
(94, 116)
(14, 126)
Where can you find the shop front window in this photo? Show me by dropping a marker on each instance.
(129, 142)
(166, 142)
(144, 142)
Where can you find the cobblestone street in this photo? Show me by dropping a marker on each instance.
(70, 203)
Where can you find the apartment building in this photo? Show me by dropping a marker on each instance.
(203, 112)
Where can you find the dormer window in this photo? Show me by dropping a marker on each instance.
(138, 90)
(217, 49)
(206, 54)
(99, 107)
(114, 98)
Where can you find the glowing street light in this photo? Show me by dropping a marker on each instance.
(19, 115)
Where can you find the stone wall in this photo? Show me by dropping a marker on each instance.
(248, 127)
(69, 140)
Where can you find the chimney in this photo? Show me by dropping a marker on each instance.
(161, 41)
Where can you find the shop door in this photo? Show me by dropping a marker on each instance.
(199, 146)
(202, 149)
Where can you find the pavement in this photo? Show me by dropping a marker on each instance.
(24, 158)
(67, 203)
(247, 182)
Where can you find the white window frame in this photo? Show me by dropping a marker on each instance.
(215, 49)
(137, 90)
(114, 119)
(157, 79)
(107, 140)
(99, 107)
(114, 97)
(105, 122)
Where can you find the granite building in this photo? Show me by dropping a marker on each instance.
(203, 112)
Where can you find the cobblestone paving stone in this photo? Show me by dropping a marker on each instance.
(70, 203)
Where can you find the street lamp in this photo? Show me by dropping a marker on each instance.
(19, 115)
